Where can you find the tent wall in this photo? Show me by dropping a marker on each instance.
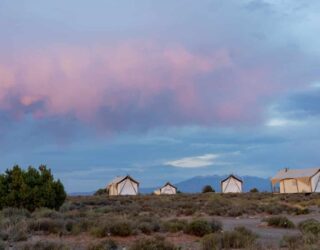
(168, 190)
(127, 187)
(315, 183)
(299, 185)
(232, 185)
(288, 186)
(297, 180)
(112, 189)
(157, 192)
(304, 185)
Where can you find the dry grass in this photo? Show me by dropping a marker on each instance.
(109, 222)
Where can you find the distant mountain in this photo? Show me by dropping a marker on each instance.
(195, 184)
(81, 193)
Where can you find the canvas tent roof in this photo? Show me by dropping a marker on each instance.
(168, 183)
(233, 176)
(294, 173)
(121, 178)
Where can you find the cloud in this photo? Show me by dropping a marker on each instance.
(296, 107)
(283, 122)
(194, 162)
(137, 85)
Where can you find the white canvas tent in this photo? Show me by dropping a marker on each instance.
(231, 184)
(168, 188)
(123, 185)
(297, 180)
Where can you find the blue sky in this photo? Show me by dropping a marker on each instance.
(160, 90)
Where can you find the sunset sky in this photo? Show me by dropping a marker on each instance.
(161, 90)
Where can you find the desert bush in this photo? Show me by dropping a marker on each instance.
(101, 191)
(104, 245)
(81, 225)
(300, 211)
(47, 225)
(30, 189)
(219, 206)
(2, 245)
(207, 189)
(240, 237)
(46, 213)
(279, 221)
(292, 242)
(175, 225)
(99, 231)
(44, 245)
(198, 228)
(155, 243)
(211, 242)
(148, 224)
(311, 226)
(66, 207)
(254, 190)
(145, 228)
(13, 212)
(121, 228)
(13, 225)
(18, 233)
(215, 225)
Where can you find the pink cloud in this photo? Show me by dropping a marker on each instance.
(127, 83)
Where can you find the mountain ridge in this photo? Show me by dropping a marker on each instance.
(196, 183)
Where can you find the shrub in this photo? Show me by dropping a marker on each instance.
(311, 226)
(99, 231)
(12, 212)
(211, 242)
(44, 245)
(13, 226)
(2, 245)
(156, 243)
(207, 189)
(104, 245)
(121, 229)
(199, 228)
(112, 227)
(101, 191)
(175, 225)
(47, 225)
(46, 213)
(300, 211)
(291, 241)
(18, 233)
(30, 189)
(147, 224)
(216, 226)
(279, 221)
(240, 237)
(219, 206)
(254, 190)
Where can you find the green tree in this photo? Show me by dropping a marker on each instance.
(207, 189)
(254, 190)
(30, 189)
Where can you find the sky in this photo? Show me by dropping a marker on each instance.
(161, 90)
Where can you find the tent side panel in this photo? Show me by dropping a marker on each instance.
(168, 190)
(234, 186)
(315, 183)
(112, 189)
(225, 185)
(304, 185)
(290, 186)
(127, 187)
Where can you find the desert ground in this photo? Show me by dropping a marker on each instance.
(182, 221)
